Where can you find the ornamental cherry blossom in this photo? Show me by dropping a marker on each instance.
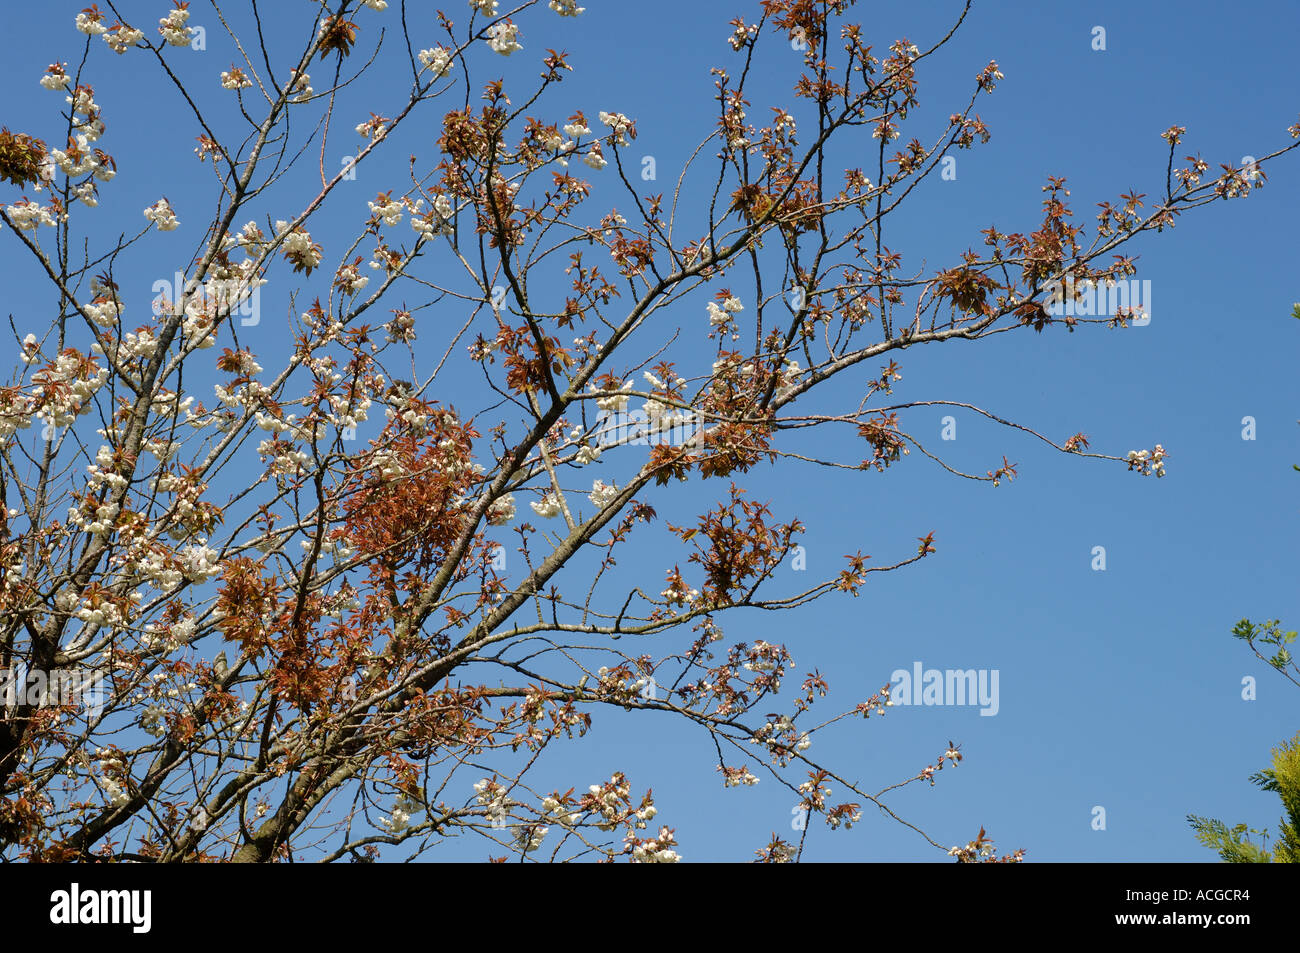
(277, 504)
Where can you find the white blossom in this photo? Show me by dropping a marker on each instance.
(173, 28)
(503, 38)
(436, 60)
(123, 38)
(603, 493)
(55, 77)
(91, 22)
(548, 508)
(501, 510)
(161, 214)
(235, 78)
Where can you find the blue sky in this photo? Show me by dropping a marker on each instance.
(1119, 689)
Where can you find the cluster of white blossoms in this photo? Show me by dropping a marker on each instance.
(492, 796)
(285, 461)
(815, 793)
(121, 38)
(586, 454)
(161, 448)
(783, 853)
(344, 411)
(161, 214)
(677, 592)
(437, 60)
(482, 348)
(299, 86)
(735, 777)
(1148, 462)
(620, 126)
(299, 249)
(440, 219)
(199, 561)
(103, 472)
(246, 363)
(742, 35)
(387, 465)
(136, 345)
(566, 8)
(168, 638)
(595, 158)
(616, 685)
(732, 366)
(548, 508)
(791, 372)
(345, 600)
(159, 570)
(602, 493)
(553, 808)
(152, 720)
(15, 567)
(387, 209)
(609, 800)
(103, 614)
(235, 78)
(350, 280)
(56, 77)
(77, 160)
(373, 128)
(453, 462)
(659, 415)
(377, 5)
(66, 388)
(973, 852)
(501, 511)
(173, 28)
(657, 850)
(529, 837)
(723, 318)
(614, 403)
(485, 7)
(736, 131)
(337, 548)
(848, 820)
(98, 522)
(778, 734)
(405, 807)
(91, 22)
(762, 657)
(562, 147)
(17, 409)
(249, 237)
(159, 687)
(417, 421)
(86, 122)
(886, 130)
(248, 395)
(82, 101)
(117, 795)
(503, 38)
(28, 214)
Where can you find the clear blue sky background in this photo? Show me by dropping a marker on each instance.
(1119, 689)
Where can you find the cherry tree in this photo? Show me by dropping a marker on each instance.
(264, 611)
